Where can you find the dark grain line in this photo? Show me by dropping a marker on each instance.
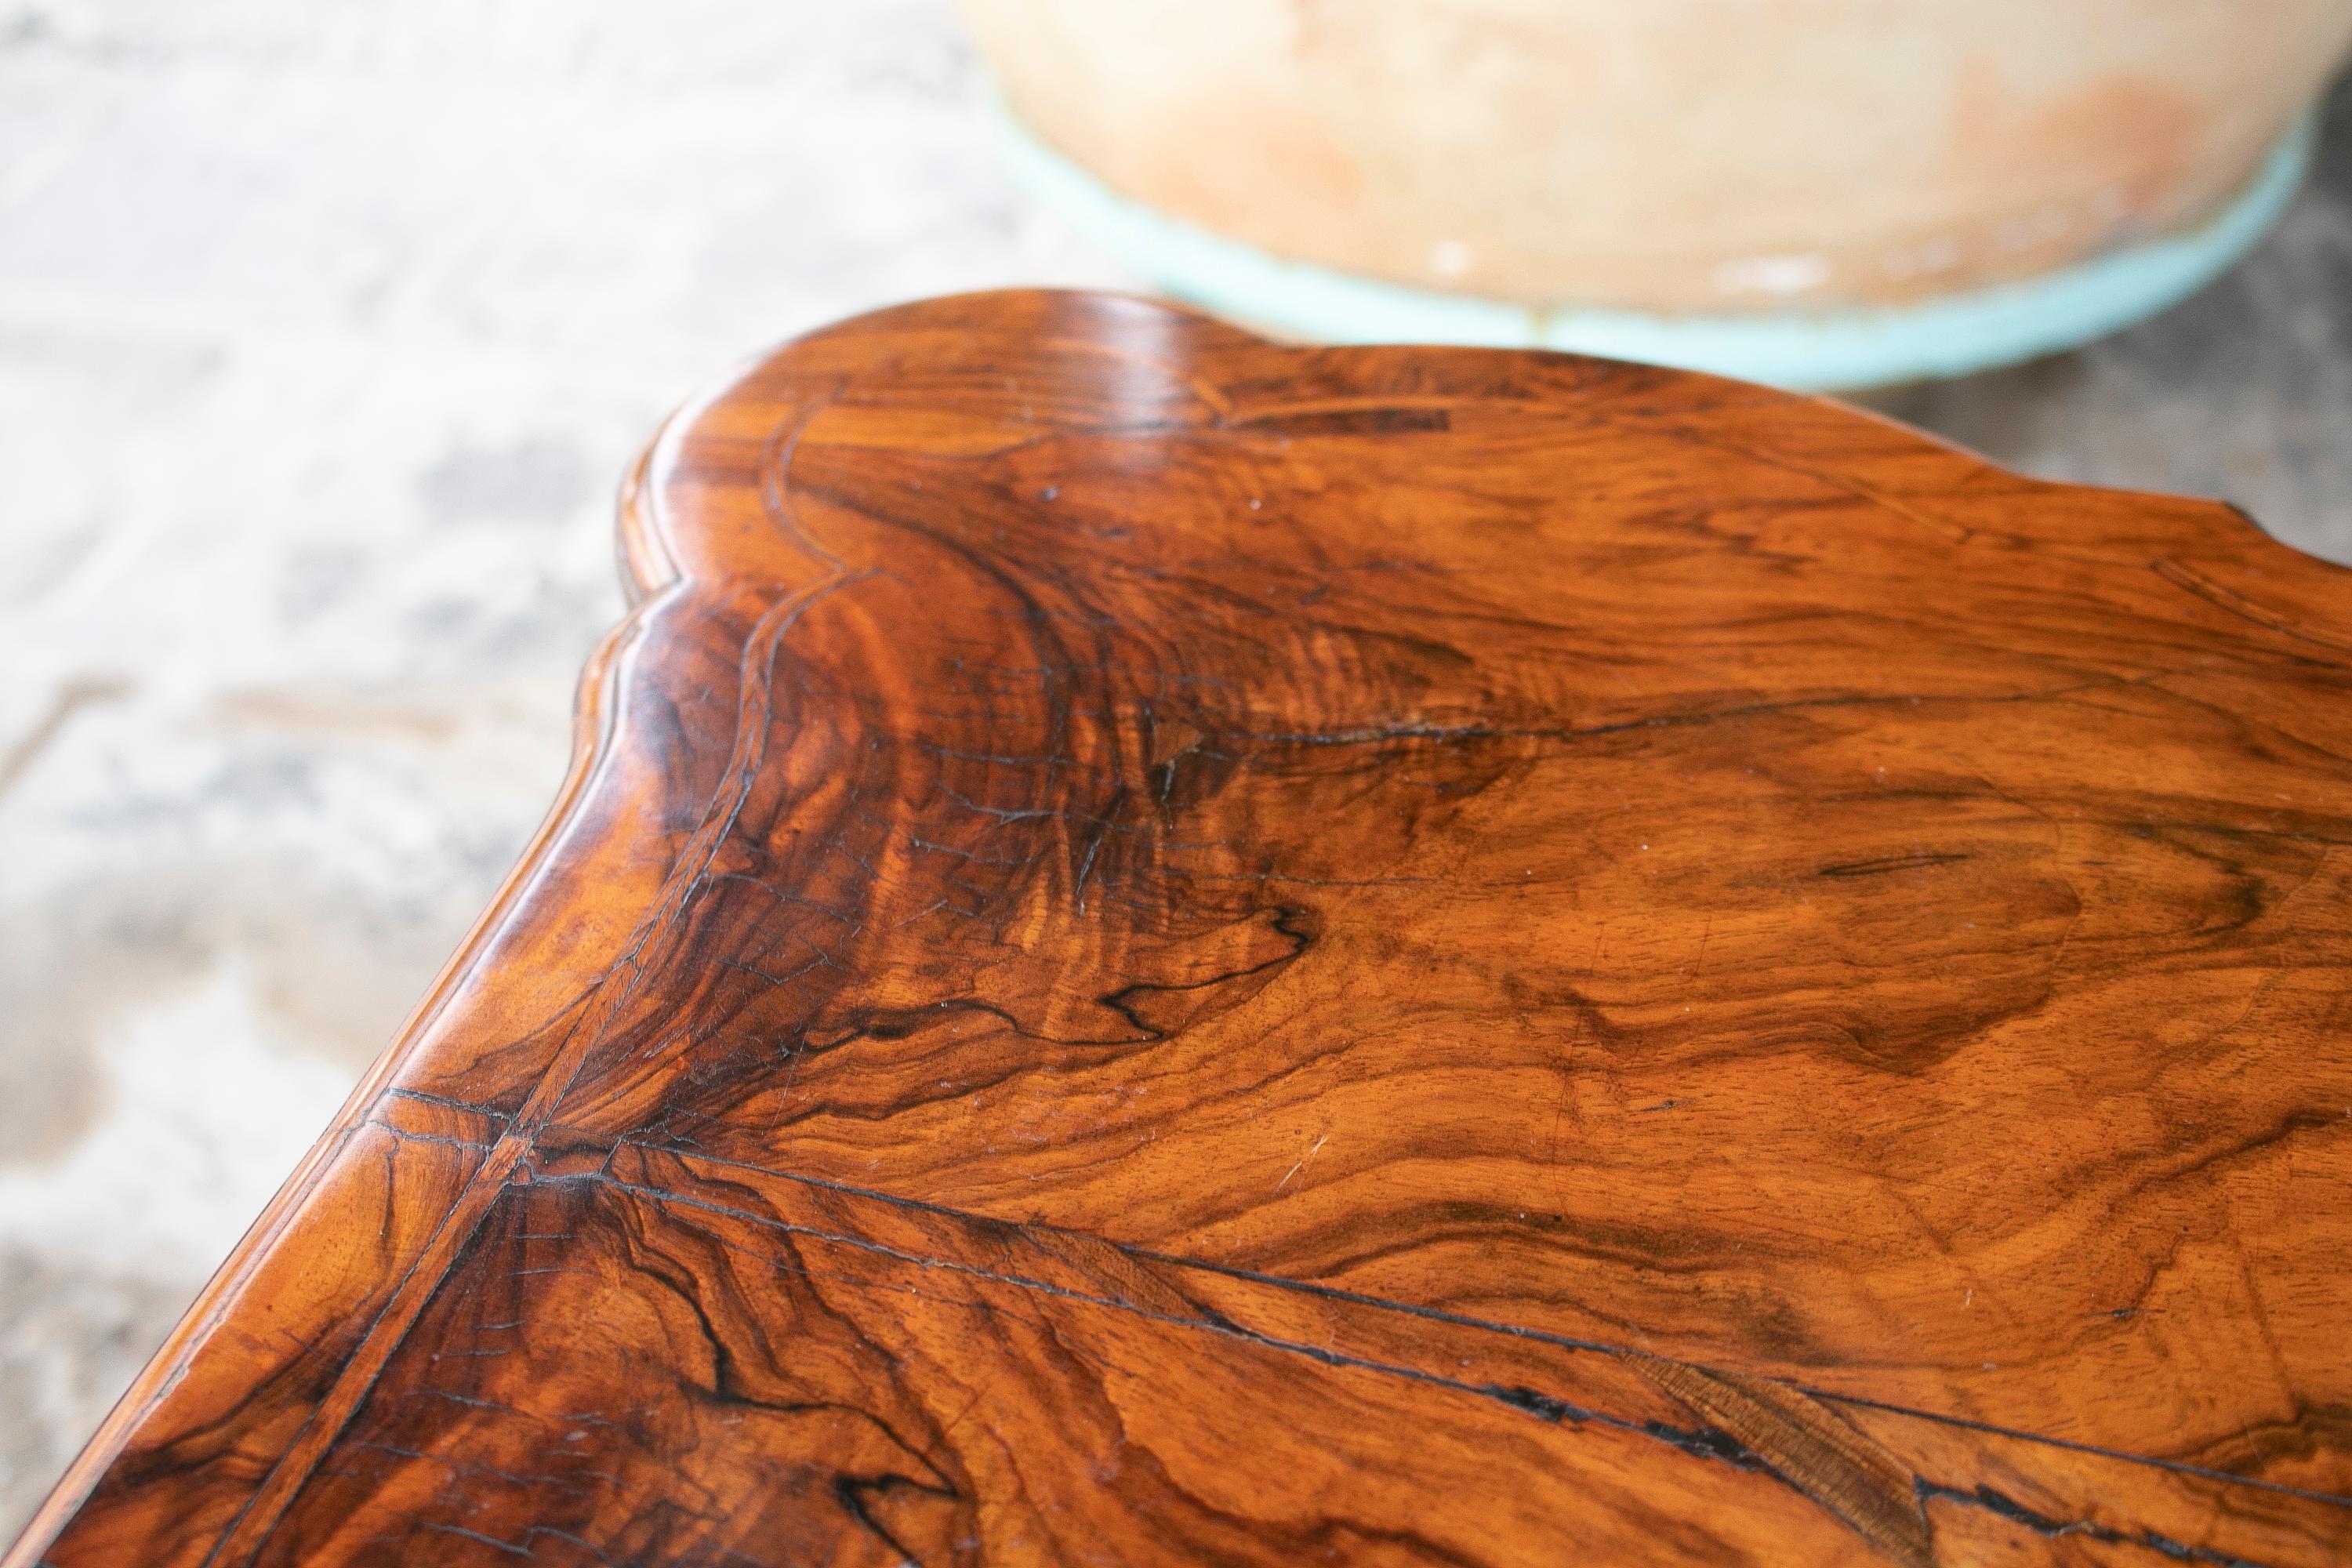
(1489, 1325)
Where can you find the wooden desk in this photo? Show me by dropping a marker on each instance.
(1164, 949)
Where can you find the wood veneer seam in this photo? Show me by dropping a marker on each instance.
(2001, 1506)
(593, 714)
(1711, 1443)
(1542, 1407)
(458, 1225)
(1440, 1314)
(594, 711)
(444, 1100)
(2189, 580)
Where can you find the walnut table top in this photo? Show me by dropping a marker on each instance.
(1167, 948)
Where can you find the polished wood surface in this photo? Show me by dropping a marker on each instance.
(1167, 948)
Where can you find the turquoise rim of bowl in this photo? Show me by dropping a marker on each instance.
(1838, 349)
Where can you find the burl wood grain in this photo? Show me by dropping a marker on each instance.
(1164, 949)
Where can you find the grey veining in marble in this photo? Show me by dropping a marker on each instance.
(325, 333)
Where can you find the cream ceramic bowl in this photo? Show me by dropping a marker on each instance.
(1669, 154)
(1669, 157)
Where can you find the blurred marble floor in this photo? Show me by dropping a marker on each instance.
(325, 333)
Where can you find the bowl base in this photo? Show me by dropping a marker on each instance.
(1822, 349)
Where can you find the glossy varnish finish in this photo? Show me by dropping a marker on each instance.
(1168, 949)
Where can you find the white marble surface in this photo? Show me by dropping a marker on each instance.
(325, 333)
